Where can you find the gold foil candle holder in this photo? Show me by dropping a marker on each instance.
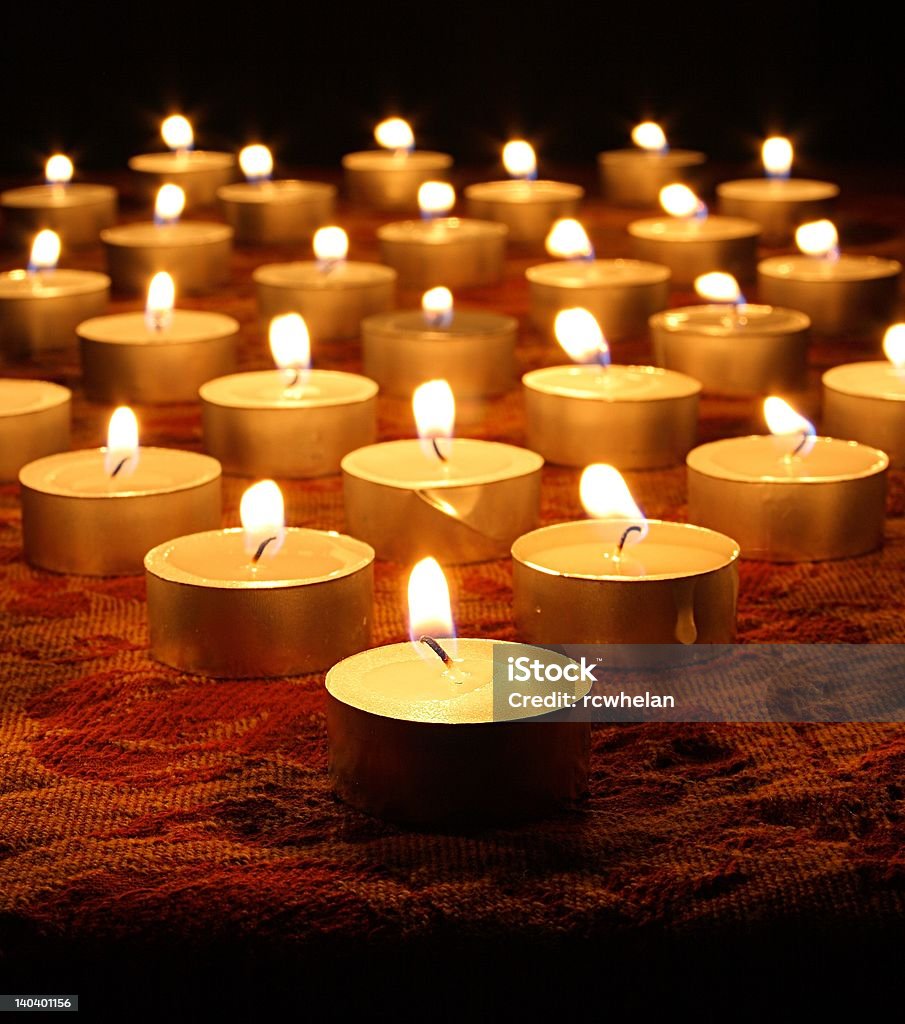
(865, 402)
(34, 421)
(633, 177)
(77, 212)
(199, 173)
(778, 205)
(276, 212)
(527, 208)
(389, 180)
(451, 251)
(695, 246)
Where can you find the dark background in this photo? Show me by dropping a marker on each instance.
(312, 79)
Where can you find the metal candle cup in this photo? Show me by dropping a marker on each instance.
(866, 402)
(829, 504)
(527, 208)
(34, 421)
(195, 253)
(691, 247)
(778, 205)
(276, 212)
(76, 212)
(633, 177)
(199, 173)
(386, 180)
(407, 504)
(255, 428)
(744, 350)
(451, 251)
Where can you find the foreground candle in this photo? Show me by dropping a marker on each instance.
(619, 578)
(793, 497)
(259, 601)
(75, 211)
(292, 421)
(635, 417)
(634, 177)
(732, 346)
(332, 293)
(413, 736)
(41, 306)
(98, 512)
(389, 178)
(465, 499)
(266, 212)
(34, 421)
(866, 401)
(156, 357)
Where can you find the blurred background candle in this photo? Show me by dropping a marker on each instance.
(634, 177)
(34, 421)
(76, 211)
(332, 293)
(266, 212)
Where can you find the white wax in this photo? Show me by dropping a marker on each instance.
(222, 559)
(464, 324)
(778, 190)
(49, 284)
(524, 192)
(845, 268)
(308, 274)
(440, 230)
(57, 197)
(267, 389)
(82, 474)
(868, 380)
(693, 229)
(612, 383)
(768, 459)
(186, 325)
(406, 464)
(598, 273)
(181, 162)
(148, 235)
(21, 397)
(402, 160)
(723, 321)
(286, 192)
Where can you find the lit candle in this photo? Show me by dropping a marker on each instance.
(75, 211)
(841, 293)
(473, 350)
(263, 600)
(691, 242)
(332, 293)
(621, 294)
(41, 305)
(292, 421)
(732, 346)
(266, 212)
(415, 736)
(465, 499)
(634, 177)
(389, 178)
(791, 497)
(526, 206)
(778, 203)
(619, 578)
(456, 252)
(636, 417)
(34, 421)
(198, 172)
(160, 356)
(97, 512)
(866, 401)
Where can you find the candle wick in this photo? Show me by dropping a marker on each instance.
(624, 538)
(257, 555)
(436, 447)
(295, 379)
(437, 649)
(119, 465)
(804, 440)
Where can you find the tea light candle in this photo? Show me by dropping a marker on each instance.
(526, 206)
(635, 417)
(265, 212)
(778, 203)
(259, 601)
(292, 421)
(451, 251)
(473, 350)
(41, 306)
(389, 178)
(692, 243)
(75, 211)
(621, 294)
(621, 579)
(195, 253)
(199, 173)
(98, 512)
(413, 735)
(463, 498)
(333, 294)
(34, 421)
(156, 357)
(866, 401)
(731, 346)
(841, 293)
(794, 497)
(634, 177)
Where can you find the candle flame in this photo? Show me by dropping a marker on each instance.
(263, 519)
(430, 610)
(679, 201)
(605, 495)
(568, 240)
(580, 336)
(783, 421)
(818, 238)
(519, 159)
(121, 453)
(650, 136)
(45, 251)
(58, 170)
(435, 197)
(177, 132)
(290, 344)
(395, 133)
(777, 154)
(434, 407)
(437, 306)
(256, 162)
(331, 245)
(169, 204)
(894, 345)
(161, 299)
(718, 287)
